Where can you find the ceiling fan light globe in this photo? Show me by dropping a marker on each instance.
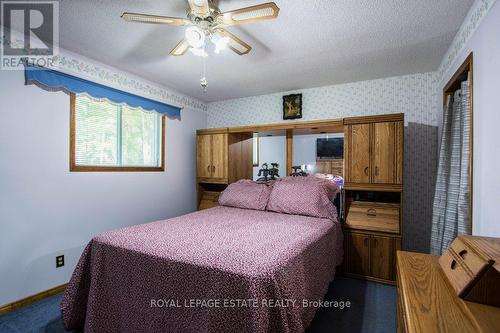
(198, 52)
(199, 3)
(195, 37)
(219, 42)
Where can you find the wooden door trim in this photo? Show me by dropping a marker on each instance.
(466, 68)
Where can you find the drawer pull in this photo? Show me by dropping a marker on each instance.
(453, 264)
(371, 212)
(463, 254)
(366, 171)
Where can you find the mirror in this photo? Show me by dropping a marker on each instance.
(269, 147)
(319, 153)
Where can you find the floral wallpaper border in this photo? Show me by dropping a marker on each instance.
(124, 81)
(79, 66)
(476, 14)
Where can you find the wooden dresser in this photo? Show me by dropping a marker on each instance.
(428, 301)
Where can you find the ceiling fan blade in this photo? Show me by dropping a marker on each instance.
(265, 11)
(180, 49)
(237, 45)
(154, 19)
(199, 7)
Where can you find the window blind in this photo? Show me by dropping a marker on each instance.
(108, 134)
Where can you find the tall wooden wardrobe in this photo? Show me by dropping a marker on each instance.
(373, 149)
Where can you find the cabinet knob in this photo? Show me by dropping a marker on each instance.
(366, 171)
(371, 212)
(208, 168)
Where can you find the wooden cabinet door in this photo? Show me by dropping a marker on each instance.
(382, 257)
(358, 253)
(358, 148)
(219, 156)
(384, 153)
(204, 156)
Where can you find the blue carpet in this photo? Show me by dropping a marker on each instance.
(42, 316)
(373, 309)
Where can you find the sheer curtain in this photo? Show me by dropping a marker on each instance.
(451, 200)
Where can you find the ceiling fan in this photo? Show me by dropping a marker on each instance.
(206, 22)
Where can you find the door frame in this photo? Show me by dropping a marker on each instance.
(466, 69)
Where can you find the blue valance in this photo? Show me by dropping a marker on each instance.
(55, 80)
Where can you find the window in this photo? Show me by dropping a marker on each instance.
(110, 137)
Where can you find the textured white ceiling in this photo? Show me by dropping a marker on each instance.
(312, 43)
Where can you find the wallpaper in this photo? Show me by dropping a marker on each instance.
(414, 95)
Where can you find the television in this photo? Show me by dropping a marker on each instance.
(329, 148)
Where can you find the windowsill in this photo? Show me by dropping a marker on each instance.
(84, 168)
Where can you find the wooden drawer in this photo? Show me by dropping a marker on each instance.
(463, 265)
(373, 216)
(209, 199)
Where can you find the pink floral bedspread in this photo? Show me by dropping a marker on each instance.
(217, 270)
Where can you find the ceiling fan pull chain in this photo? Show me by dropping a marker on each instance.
(203, 80)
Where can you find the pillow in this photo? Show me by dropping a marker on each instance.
(309, 196)
(246, 194)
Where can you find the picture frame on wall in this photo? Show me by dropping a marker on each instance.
(292, 106)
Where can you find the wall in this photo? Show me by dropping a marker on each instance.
(414, 95)
(45, 210)
(480, 34)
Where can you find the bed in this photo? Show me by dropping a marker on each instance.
(223, 269)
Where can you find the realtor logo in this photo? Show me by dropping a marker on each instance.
(30, 32)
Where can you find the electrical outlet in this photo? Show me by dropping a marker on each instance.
(60, 261)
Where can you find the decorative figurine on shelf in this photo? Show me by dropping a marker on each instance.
(268, 174)
(298, 172)
(275, 170)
